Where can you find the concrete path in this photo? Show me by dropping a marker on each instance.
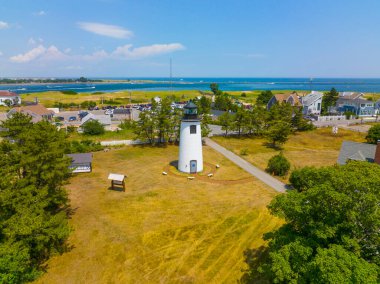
(259, 174)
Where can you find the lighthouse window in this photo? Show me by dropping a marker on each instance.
(193, 129)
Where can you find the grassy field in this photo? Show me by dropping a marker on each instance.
(121, 97)
(314, 148)
(162, 229)
(123, 134)
(48, 99)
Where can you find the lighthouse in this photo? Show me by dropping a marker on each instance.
(190, 159)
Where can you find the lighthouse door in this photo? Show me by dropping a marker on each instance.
(193, 166)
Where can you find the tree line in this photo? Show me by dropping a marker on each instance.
(276, 124)
(161, 124)
(33, 203)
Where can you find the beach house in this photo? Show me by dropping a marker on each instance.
(312, 103)
(37, 112)
(291, 99)
(9, 98)
(355, 103)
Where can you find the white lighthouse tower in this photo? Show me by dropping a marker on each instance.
(190, 159)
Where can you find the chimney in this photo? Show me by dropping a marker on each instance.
(377, 153)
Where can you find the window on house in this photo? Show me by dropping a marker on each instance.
(193, 129)
(319, 106)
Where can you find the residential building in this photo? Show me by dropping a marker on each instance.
(37, 112)
(355, 151)
(355, 103)
(291, 99)
(312, 103)
(102, 118)
(81, 163)
(13, 98)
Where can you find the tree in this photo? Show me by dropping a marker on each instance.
(373, 134)
(33, 204)
(215, 89)
(278, 165)
(8, 103)
(226, 121)
(264, 97)
(239, 120)
(332, 228)
(329, 100)
(255, 121)
(278, 132)
(93, 127)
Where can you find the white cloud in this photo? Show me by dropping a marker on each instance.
(67, 50)
(39, 52)
(1, 54)
(128, 52)
(30, 55)
(3, 25)
(105, 30)
(32, 41)
(100, 54)
(40, 13)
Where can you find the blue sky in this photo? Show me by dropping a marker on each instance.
(204, 38)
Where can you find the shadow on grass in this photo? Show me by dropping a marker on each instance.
(174, 163)
(116, 188)
(253, 258)
(274, 147)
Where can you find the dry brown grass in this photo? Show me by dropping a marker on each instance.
(161, 229)
(314, 148)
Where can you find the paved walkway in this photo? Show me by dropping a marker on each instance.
(259, 174)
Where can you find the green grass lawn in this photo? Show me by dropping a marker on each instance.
(162, 229)
(313, 148)
(123, 134)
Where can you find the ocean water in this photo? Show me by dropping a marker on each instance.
(203, 84)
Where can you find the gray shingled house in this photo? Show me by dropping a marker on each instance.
(359, 152)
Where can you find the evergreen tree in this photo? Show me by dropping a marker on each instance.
(33, 219)
(264, 97)
(329, 99)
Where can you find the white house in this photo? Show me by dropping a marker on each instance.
(190, 159)
(312, 103)
(102, 118)
(5, 96)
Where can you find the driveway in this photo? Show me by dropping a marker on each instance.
(248, 167)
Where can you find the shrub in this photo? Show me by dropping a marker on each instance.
(244, 95)
(373, 134)
(84, 146)
(278, 165)
(126, 124)
(93, 127)
(69, 92)
(244, 152)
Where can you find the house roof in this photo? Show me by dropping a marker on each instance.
(350, 95)
(8, 94)
(37, 109)
(122, 111)
(285, 98)
(81, 158)
(311, 98)
(356, 151)
(102, 118)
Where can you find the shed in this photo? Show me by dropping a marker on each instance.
(81, 163)
(117, 180)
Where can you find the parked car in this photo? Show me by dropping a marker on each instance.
(72, 118)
